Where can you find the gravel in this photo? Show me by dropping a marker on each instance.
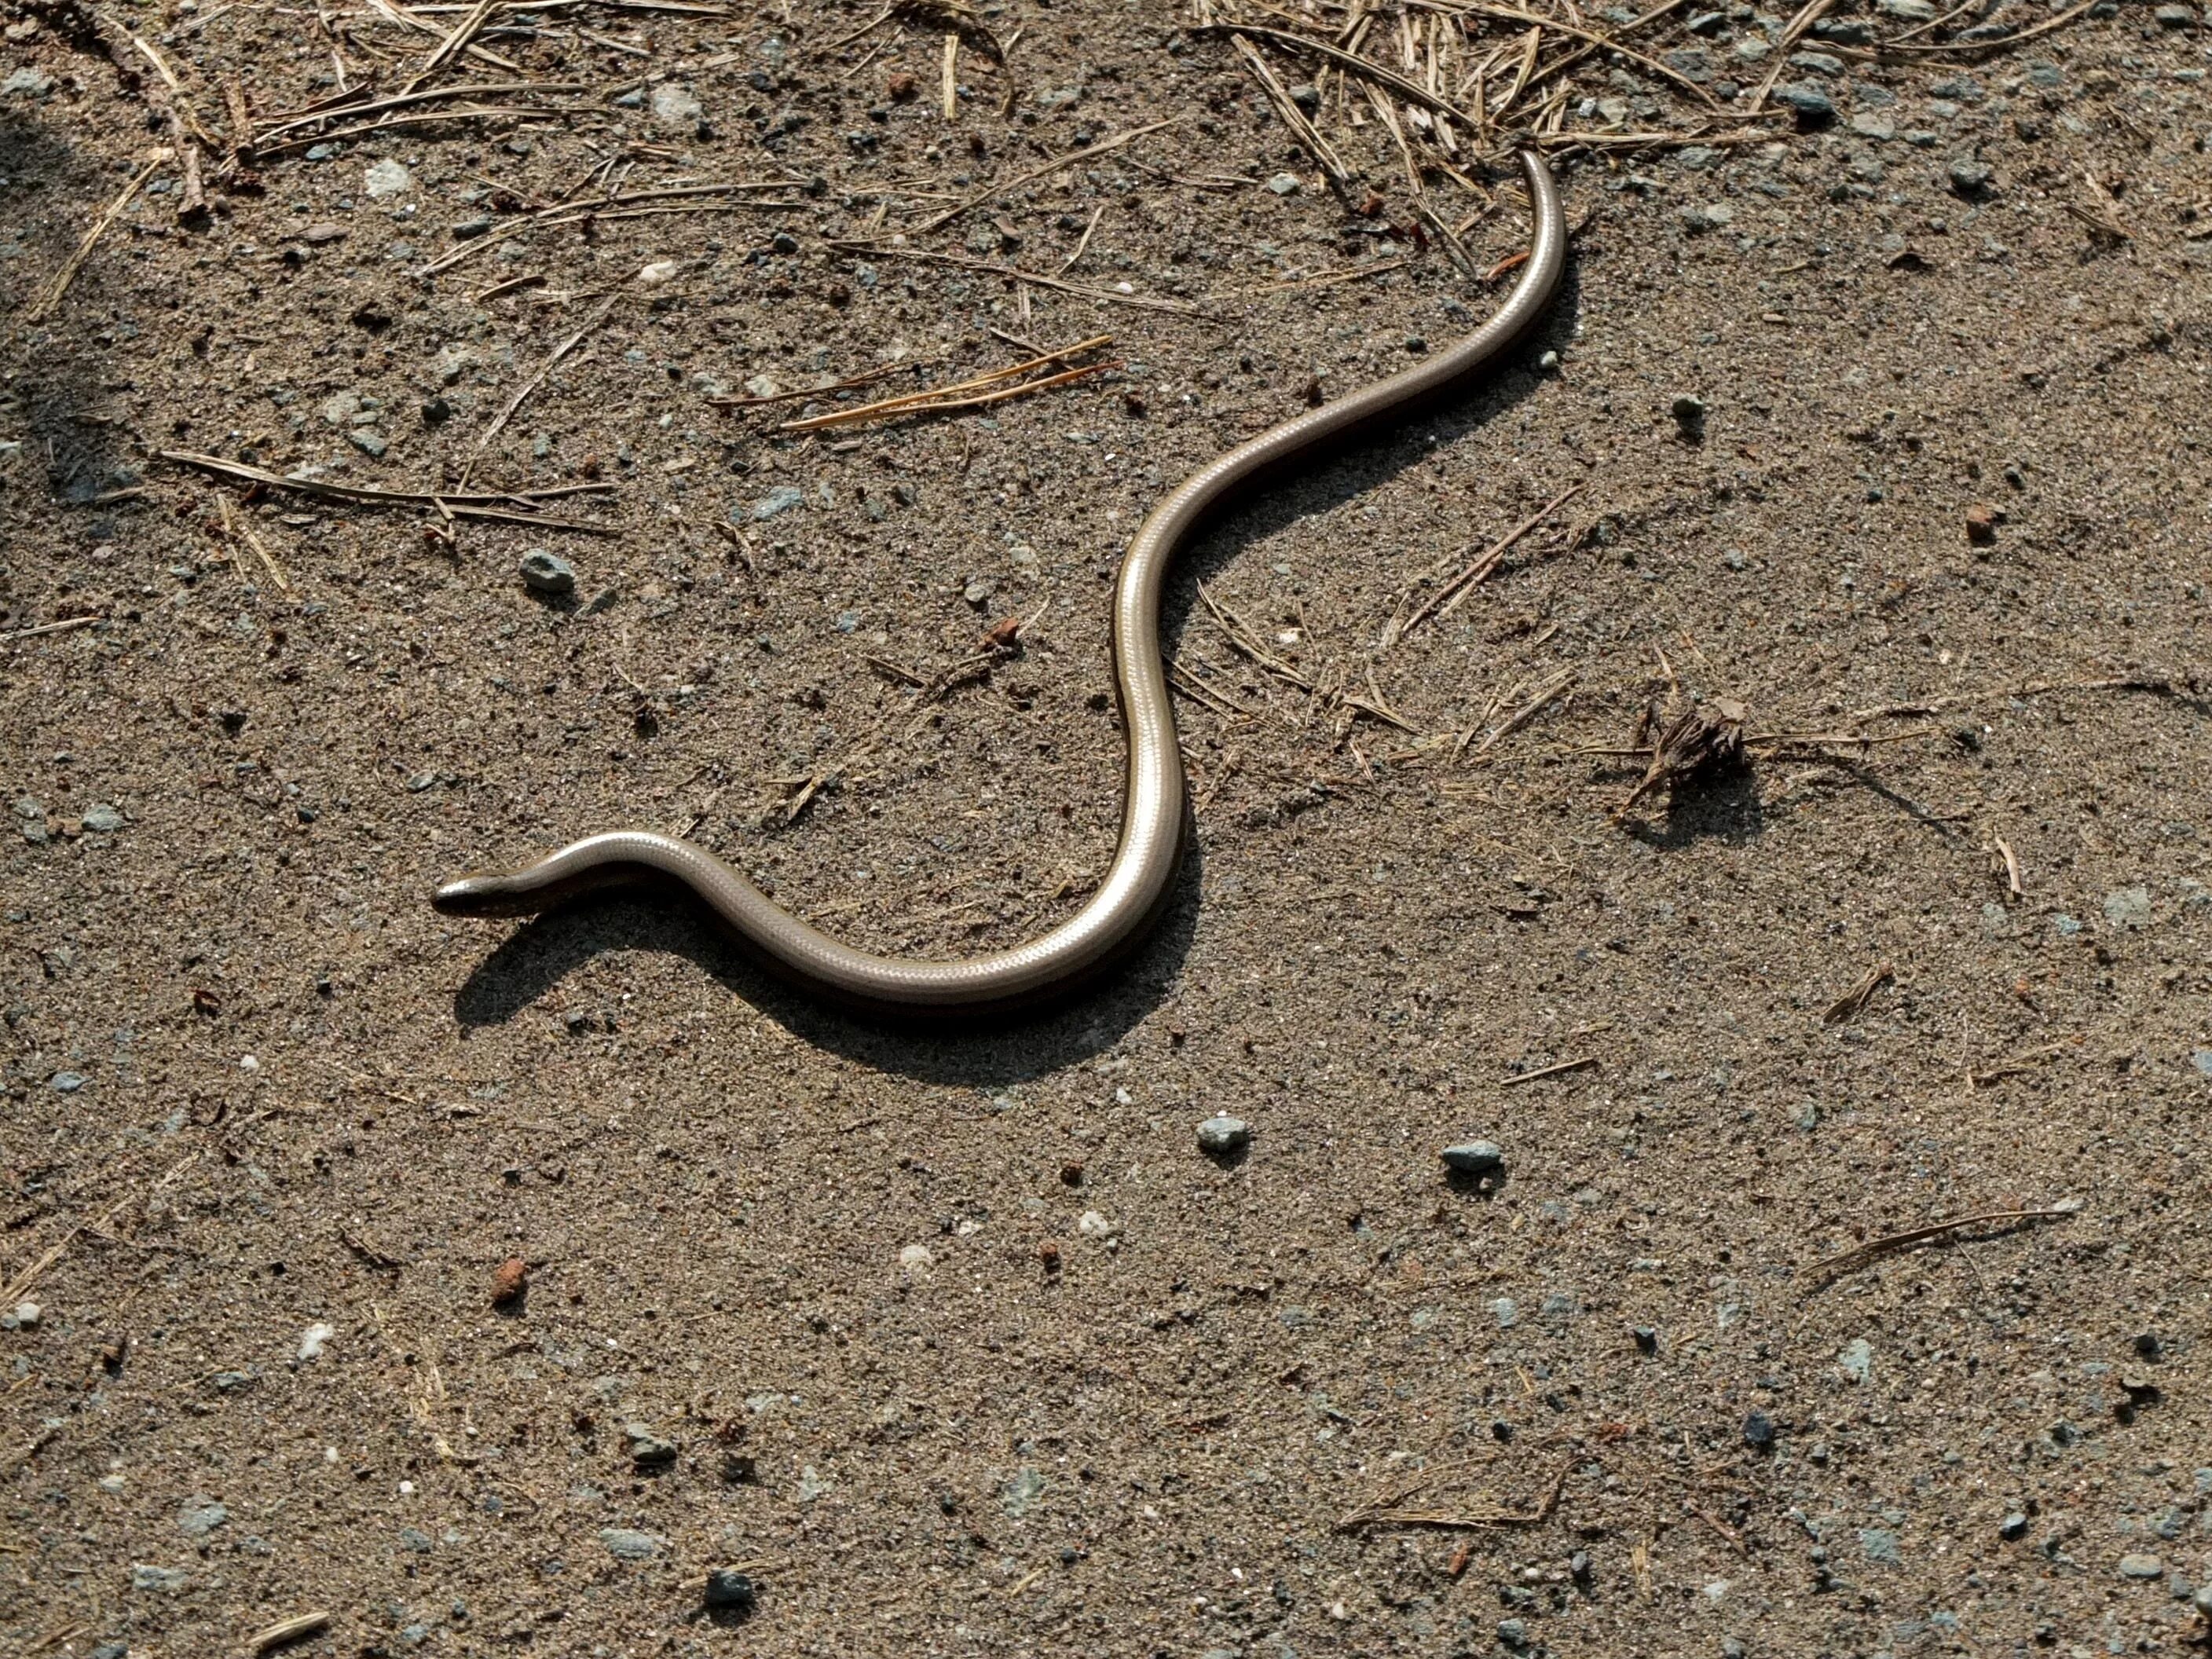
(200, 1516)
(548, 574)
(729, 1591)
(1475, 1157)
(1222, 1134)
(625, 1544)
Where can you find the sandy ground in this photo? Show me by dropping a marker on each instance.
(956, 1343)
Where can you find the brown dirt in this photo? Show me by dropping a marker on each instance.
(255, 1086)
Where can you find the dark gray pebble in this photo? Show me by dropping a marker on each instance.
(548, 574)
(729, 1592)
(1474, 1157)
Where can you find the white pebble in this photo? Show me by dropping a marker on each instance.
(315, 1338)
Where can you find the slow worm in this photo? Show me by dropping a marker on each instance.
(1137, 885)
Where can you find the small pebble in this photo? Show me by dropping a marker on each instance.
(1971, 177)
(1284, 184)
(2136, 1566)
(509, 1280)
(1647, 1339)
(658, 273)
(675, 106)
(1224, 1134)
(1758, 1430)
(1689, 413)
(23, 1317)
(548, 574)
(1811, 106)
(315, 1338)
(782, 499)
(386, 179)
(2013, 1528)
(625, 1544)
(1474, 1157)
(728, 1591)
(1981, 523)
(647, 1448)
(2128, 909)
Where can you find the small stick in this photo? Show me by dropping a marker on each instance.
(2045, 27)
(61, 627)
(511, 285)
(1520, 1078)
(192, 201)
(804, 392)
(458, 506)
(1323, 278)
(1873, 1248)
(448, 49)
(1446, 599)
(60, 286)
(1082, 241)
(1101, 148)
(951, 73)
(1292, 117)
(881, 18)
(2012, 868)
(410, 100)
(2020, 1064)
(977, 400)
(288, 1630)
(1804, 20)
(1012, 274)
(1853, 1002)
(237, 532)
(538, 378)
(905, 402)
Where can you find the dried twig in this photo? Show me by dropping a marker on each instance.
(1852, 1260)
(1109, 296)
(451, 46)
(968, 394)
(1447, 598)
(1102, 146)
(1519, 1077)
(244, 533)
(538, 379)
(60, 285)
(61, 627)
(803, 393)
(287, 1630)
(470, 506)
(1850, 1005)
